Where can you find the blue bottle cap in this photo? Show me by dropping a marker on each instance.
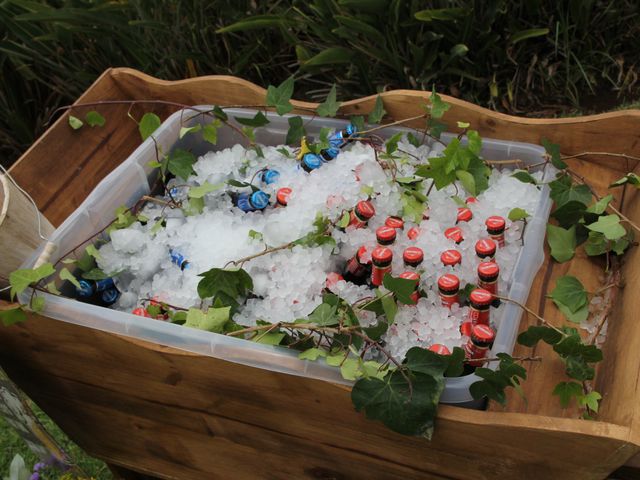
(270, 176)
(104, 284)
(86, 288)
(330, 153)
(311, 161)
(351, 129)
(259, 200)
(242, 202)
(110, 296)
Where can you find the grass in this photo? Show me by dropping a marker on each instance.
(11, 444)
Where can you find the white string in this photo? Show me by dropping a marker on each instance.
(38, 214)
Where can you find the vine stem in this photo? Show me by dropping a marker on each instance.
(598, 197)
(496, 359)
(267, 251)
(531, 312)
(610, 154)
(392, 124)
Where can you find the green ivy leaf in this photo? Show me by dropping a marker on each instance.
(494, 383)
(516, 214)
(195, 206)
(258, 120)
(11, 316)
(566, 391)
(94, 119)
(601, 205)
(553, 150)
(344, 220)
(37, 304)
(534, 334)
(474, 142)
(219, 113)
(93, 251)
(391, 145)
(467, 180)
(255, 235)
(312, 354)
(391, 401)
(563, 190)
(232, 282)
(591, 400)
(562, 242)
(389, 307)
(187, 130)
(358, 122)
(75, 122)
(280, 96)
(456, 363)
(578, 316)
(210, 132)
(630, 178)
(463, 124)
(324, 315)
(425, 361)
(402, 288)
(296, 130)
(350, 369)
(149, 123)
(212, 321)
(570, 213)
(21, 279)
(413, 140)
(570, 293)
(378, 111)
(524, 177)
(329, 107)
(412, 208)
(51, 288)
(201, 190)
(436, 128)
(94, 274)
(271, 338)
(67, 275)
(609, 226)
(438, 106)
(180, 163)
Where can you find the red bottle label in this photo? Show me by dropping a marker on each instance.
(354, 221)
(473, 352)
(448, 300)
(378, 273)
(491, 287)
(354, 267)
(478, 317)
(499, 239)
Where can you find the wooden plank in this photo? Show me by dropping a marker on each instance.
(223, 414)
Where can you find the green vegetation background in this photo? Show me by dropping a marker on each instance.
(527, 57)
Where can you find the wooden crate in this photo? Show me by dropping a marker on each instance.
(170, 414)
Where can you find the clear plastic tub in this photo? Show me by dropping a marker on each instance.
(133, 178)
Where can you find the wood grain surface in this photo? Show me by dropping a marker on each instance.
(168, 414)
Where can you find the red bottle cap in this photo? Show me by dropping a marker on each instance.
(283, 195)
(449, 283)
(385, 235)
(471, 200)
(464, 214)
(360, 253)
(454, 233)
(466, 328)
(141, 312)
(394, 222)
(439, 349)
(495, 224)
(480, 296)
(413, 256)
(382, 255)
(365, 210)
(483, 333)
(332, 279)
(413, 233)
(410, 276)
(450, 257)
(485, 247)
(488, 270)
